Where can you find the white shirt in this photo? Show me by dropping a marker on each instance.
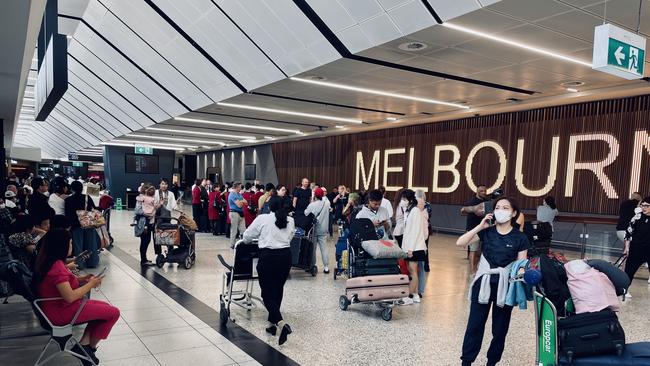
(321, 210)
(57, 203)
(171, 200)
(268, 234)
(399, 219)
(388, 206)
(415, 230)
(380, 215)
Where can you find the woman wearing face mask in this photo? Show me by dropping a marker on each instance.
(400, 209)
(413, 244)
(637, 240)
(502, 244)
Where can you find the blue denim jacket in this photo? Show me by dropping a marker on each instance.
(519, 293)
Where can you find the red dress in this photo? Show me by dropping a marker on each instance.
(100, 315)
(249, 217)
(213, 213)
(196, 195)
(256, 200)
(227, 208)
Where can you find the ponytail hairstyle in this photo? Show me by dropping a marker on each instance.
(550, 202)
(276, 206)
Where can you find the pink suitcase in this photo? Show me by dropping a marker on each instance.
(376, 288)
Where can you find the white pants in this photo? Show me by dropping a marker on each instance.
(322, 244)
(237, 223)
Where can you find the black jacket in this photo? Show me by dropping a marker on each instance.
(39, 208)
(625, 214)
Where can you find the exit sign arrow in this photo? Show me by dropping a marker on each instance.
(619, 55)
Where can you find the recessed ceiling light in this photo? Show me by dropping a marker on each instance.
(516, 44)
(315, 77)
(572, 84)
(412, 46)
(269, 137)
(379, 92)
(176, 139)
(249, 141)
(239, 125)
(391, 119)
(234, 137)
(572, 90)
(292, 113)
(339, 126)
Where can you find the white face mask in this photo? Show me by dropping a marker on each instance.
(502, 216)
(403, 203)
(637, 210)
(2, 205)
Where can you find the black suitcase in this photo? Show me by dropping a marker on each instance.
(372, 267)
(590, 334)
(302, 252)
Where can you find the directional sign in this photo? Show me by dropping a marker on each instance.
(618, 52)
(143, 150)
(77, 164)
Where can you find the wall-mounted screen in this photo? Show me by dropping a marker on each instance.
(250, 172)
(141, 164)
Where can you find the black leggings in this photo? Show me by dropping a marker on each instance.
(145, 239)
(638, 255)
(478, 314)
(273, 269)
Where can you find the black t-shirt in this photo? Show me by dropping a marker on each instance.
(625, 214)
(472, 219)
(641, 231)
(303, 196)
(501, 250)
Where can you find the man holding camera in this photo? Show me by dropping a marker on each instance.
(475, 210)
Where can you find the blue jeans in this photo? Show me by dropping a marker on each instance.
(422, 277)
(86, 239)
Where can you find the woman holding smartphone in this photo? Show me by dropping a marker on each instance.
(53, 279)
(502, 244)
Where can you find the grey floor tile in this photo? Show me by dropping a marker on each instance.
(156, 324)
(203, 356)
(121, 348)
(234, 352)
(148, 360)
(173, 341)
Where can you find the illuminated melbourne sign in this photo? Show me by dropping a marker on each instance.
(374, 170)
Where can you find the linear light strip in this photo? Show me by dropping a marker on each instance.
(377, 92)
(516, 44)
(218, 123)
(234, 137)
(149, 142)
(177, 139)
(290, 113)
(132, 145)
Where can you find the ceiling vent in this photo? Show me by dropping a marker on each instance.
(572, 84)
(413, 46)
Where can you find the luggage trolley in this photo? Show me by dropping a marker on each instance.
(244, 269)
(182, 251)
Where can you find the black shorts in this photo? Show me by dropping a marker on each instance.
(418, 256)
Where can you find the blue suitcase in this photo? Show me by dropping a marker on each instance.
(635, 354)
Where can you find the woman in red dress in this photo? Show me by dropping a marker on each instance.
(249, 215)
(53, 279)
(213, 209)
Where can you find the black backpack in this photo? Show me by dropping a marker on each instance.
(360, 230)
(554, 283)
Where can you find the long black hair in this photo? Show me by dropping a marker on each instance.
(56, 244)
(409, 194)
(276, 205)
(550, 202)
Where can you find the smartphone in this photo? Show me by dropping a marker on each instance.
(102, 272)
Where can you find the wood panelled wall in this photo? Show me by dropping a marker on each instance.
(333, 160)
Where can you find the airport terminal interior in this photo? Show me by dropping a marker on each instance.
(323, 182)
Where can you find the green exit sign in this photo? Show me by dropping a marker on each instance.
(618, 52)
(625, 56)
(77, 164)
(144, 150)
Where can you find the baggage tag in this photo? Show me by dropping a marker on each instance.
(255, 266)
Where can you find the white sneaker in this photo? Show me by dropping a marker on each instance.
(416, 299)
(648, 281)
(628, 296)
(406, 301)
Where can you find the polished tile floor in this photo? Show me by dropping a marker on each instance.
(155, 329)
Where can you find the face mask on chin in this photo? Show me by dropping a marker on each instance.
(502, 216)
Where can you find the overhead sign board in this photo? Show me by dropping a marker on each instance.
(143, 150)
(77, 164)
(618, 52)
(73, 156)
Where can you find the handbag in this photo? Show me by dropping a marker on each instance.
(187, 222)
(167, 236)
(90, 218)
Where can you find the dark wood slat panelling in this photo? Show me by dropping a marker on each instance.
(332, 160)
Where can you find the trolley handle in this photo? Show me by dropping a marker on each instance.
(223, 261)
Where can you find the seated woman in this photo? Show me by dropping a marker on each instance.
(274, 233)
(53, 279)
(23, 242)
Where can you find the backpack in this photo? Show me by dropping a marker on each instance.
(554, 282)
(360, 230)
(18, 278)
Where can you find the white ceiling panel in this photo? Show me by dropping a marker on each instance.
(380, 29)
(73, 114)
(333, 14)
(411, 17)
(448, 10)
(389, 4)
(576, 23)
(361, 10)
